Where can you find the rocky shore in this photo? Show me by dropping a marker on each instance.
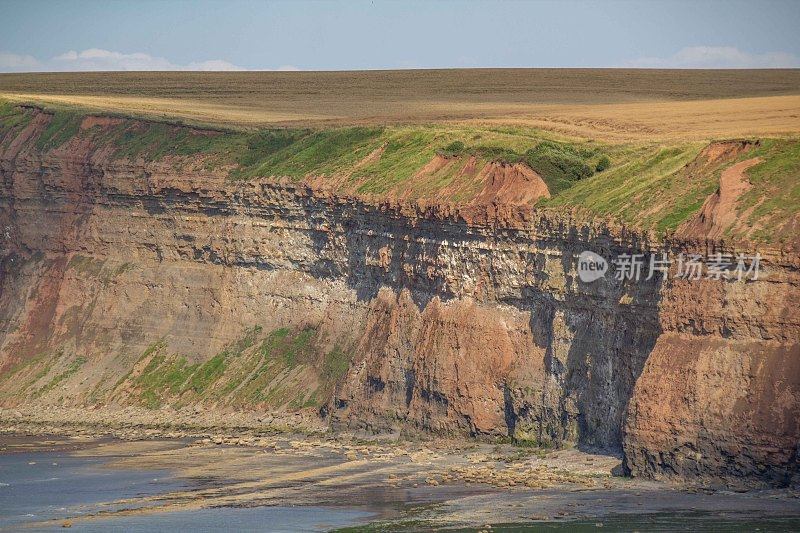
(404, 484)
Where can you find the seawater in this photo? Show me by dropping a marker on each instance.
(36, 487)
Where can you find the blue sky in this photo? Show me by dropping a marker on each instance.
(320, 35)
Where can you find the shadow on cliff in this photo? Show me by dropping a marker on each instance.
(597, 339)
(380, 247)
(596, 336)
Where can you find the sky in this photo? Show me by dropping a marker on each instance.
(81, 35)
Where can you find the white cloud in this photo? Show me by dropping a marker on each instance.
(98, 59)
(213, 64)
(717, 57)
(288, 68)
(94, 59)
(12, 62)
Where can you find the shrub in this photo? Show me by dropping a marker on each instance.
(453, 149)
(603, 164)
(560, 165)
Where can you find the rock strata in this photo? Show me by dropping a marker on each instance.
(453, 319)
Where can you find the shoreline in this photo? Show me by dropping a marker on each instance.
(438, 482)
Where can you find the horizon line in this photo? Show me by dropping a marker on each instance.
(321, 71)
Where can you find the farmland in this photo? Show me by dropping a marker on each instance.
(614, 104)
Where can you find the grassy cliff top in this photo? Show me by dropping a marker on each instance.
(607, 104)
(652, 184)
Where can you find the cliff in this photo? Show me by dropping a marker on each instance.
(161, 282)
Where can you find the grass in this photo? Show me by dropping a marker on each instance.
(11, 117)
(320, 152)
(336, 364)
(283, 367)
(207, 373)
(659, 189)
(405, 152)
(338, 153)
(156, 140)
(774, 199)
(650, 185)
(62, 127)
(560, 164)
(70, 371)
(648, 188)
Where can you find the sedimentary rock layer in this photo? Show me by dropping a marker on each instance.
(398, 316)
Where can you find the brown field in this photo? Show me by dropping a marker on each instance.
(612, 104)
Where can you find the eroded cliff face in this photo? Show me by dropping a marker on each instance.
(161, 283)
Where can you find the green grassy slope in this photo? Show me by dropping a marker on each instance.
(664, 186)
(335, 152)
(282, 368)
(655, 186)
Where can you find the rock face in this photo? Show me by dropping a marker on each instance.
(468, 320)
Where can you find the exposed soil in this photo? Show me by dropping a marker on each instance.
(719, 213)
(92, 121)
(724, 150)
(511, 184)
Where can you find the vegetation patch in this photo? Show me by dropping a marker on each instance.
(153, 141)
(602, 164)
(13, 118)
(71, 370)
(773, 202)
(300, 154)
(661, 187)
(335, 364)
(560, 165)
(454, 149)
(649, 185)
(281, 368)
(297, 153)
(262, 145)
(62, 127)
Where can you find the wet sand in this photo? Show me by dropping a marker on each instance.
(411, 484)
